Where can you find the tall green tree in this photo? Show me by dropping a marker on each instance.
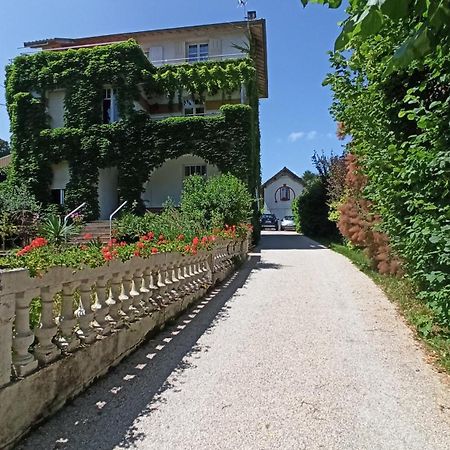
(430, 19)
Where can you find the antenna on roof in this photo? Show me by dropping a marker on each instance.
(243, 4)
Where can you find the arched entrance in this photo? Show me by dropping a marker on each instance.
(166, 182)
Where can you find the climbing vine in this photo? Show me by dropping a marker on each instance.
(136, 144)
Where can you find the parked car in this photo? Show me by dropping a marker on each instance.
(269, 221)
(287, 223)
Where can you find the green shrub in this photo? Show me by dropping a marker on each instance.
(216, 202)
(311, 211)
(56, 231)
(171, 223)
(19, 214)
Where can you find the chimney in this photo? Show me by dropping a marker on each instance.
(251, 15)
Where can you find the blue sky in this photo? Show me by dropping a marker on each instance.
(294, 119)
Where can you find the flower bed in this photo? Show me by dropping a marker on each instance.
(39, 255)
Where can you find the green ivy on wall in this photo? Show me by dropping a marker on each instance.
(136, 144)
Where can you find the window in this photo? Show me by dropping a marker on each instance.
(197, 52)
(57, 196)
(195, 170)
(285, 193)
(193, 107)
(109, 107)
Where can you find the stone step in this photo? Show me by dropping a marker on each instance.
(98, 229)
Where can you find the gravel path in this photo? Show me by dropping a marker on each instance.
(299, 351)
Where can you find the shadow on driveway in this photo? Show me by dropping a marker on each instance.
(282, 240)
(102, 417)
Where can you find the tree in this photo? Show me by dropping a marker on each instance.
(4, 148)
(429, 22)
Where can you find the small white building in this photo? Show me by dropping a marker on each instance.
(279, 192)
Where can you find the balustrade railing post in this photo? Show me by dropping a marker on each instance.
(125, 298)
(115, 302)
(101, 306)
(67, 340)
(24, 362)
(7, 310)
(46, 351)
(136, 294)
(85, 313)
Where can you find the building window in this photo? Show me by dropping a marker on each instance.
(193, 108)
(110, 109)
(57, 196)
(197, 52)
(285, 193)
(195, 170)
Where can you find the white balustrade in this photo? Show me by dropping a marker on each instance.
(89, 304)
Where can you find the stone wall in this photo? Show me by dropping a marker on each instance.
(90, 320)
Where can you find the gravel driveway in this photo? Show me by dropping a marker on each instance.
(299, 351)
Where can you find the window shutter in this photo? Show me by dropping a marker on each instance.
(156, 55)
(215, 47)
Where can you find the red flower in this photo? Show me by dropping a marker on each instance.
(140, 245)
(150, 235)
(83, 247)
(195, 241)
(187, 248)
(154, 250)
(161, 237)
(122, 244)
(107, 256)
(136, 253)
(88, 236)
(212, 238)
(181, 237)
(204, 240)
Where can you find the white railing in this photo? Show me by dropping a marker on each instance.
(187, 60)
(81, 307)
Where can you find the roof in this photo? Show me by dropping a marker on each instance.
(5, 161)
(282, 172)
(257, 29)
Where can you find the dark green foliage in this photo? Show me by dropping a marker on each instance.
(311, 210)
(216, 202)
(400, 131)
(368, 18)
(19, 213)
(136, 145)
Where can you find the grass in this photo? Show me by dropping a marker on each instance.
(401, 291)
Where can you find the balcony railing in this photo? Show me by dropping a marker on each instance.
(187, 60)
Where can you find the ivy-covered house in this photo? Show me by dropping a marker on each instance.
(127, 116)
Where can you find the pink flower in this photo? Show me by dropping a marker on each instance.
(154, 250)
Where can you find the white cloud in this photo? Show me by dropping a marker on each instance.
(311, 135)
(295, 136)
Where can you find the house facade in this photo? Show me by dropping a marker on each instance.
(158, 106)
(280, 191)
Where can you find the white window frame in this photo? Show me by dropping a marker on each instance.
(198, 108)
(195, 169)
(110, 94)
(198, 55)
